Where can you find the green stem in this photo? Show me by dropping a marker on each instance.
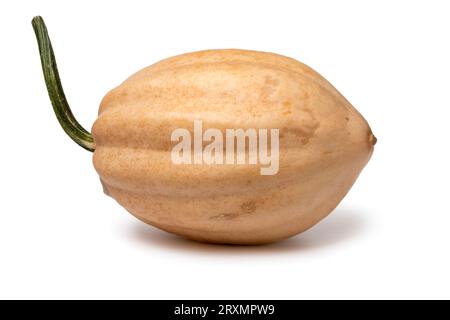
(62, 110)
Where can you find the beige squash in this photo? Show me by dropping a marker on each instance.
(324, 144)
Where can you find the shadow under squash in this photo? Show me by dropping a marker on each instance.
(341, 225)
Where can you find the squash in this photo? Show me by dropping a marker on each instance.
(324, 143)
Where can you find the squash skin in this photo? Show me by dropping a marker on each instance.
(324, 144)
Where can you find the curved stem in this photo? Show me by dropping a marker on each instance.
(62, 110)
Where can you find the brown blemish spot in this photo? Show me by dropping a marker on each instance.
(303, 130)
(286, 108)
(269, 81)
(225, 216)
(248, 207)
(304, 134)
(269, 87)
(305, 95)
(347, 118)
(298, 132)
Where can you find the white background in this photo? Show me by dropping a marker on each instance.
(60, 237)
